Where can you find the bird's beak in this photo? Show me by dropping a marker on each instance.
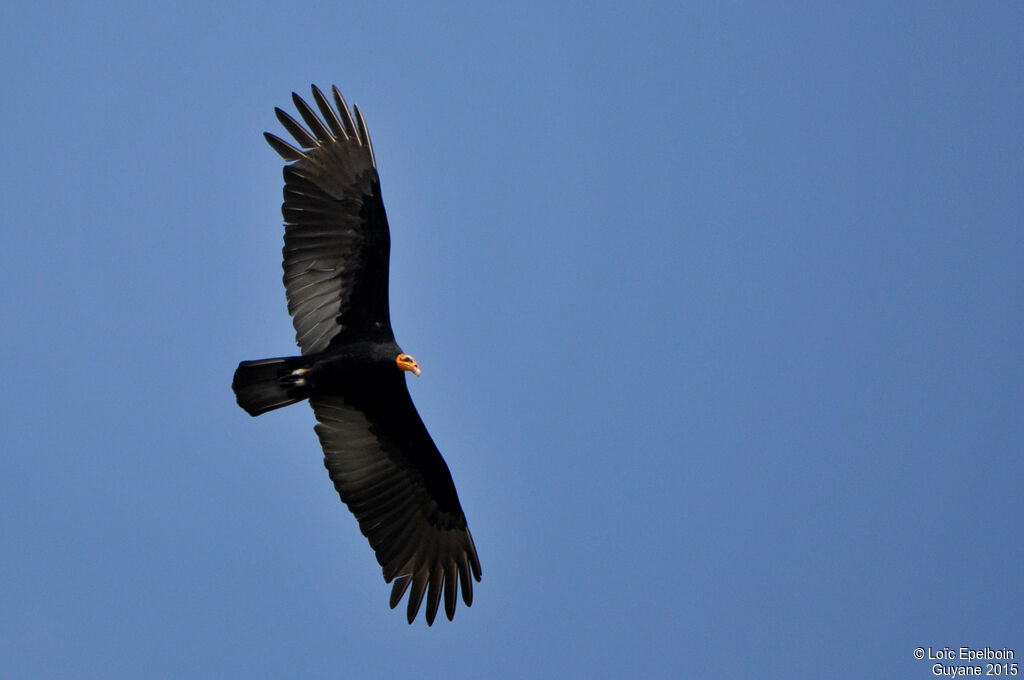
(407, 363)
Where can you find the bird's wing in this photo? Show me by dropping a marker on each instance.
(336, 240)
(392, 477)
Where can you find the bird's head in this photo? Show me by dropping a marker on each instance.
(407, 363)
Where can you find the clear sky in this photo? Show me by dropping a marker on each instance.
(720, 310)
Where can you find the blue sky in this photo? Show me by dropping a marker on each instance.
(720, 309)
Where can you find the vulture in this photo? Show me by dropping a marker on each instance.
(383, 463)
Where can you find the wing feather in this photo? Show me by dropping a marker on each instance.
(286, 150)
(301, 135)
(419, 586)
(328, 113)
(398, 590)
(346, 116)
(312, 120)
(434, 589)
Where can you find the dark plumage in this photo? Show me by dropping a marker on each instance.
(378, 453)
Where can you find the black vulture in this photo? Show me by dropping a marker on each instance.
(379, 455)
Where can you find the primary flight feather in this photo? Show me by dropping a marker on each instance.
(379, 455)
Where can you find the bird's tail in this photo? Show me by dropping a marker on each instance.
(264, 385)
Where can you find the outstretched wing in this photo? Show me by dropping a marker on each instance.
(336, 240)
(392, 477)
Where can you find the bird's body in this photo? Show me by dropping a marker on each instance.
(379, 454)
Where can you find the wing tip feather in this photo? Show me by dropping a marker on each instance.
(283, 148)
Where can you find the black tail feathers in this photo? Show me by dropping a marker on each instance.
(267, 384)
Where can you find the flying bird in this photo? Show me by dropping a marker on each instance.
(376, 448)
